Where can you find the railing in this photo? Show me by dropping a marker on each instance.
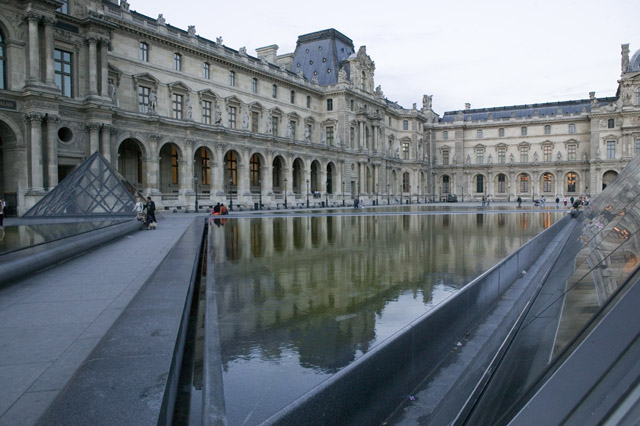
(170, 197)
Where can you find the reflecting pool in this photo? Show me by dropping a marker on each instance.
(300, 297)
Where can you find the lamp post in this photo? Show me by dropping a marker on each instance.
(462, 193)
(195, 181)
(388, 198)
(260, 194)
(410, 194)
(342, 193)
(285, 193)
(509, 195)
(376, 194)
(326, 193)
(230, 197)
(307, 193)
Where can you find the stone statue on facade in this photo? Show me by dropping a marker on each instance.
(219, 41)
(559, 156)
(468, 159)
(455, 159)
(161, 20)
(218, 115)
(490, 160)
(535, 157)
(245, 119)
(307, 133)
(323, 136)
(112, 91)
(598, 153)
(342, 75)
(189, 108)
(426, 102)
(584, 156)
(625, 58)
(290, 130)
(268, 125)
(191, 30)
(243, 51)
(153, 101)
(124, 5)
(511, 159)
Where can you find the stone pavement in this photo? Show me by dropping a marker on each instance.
(50, 322)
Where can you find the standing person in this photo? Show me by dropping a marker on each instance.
(216, 209)
(223, 209)
(557, 202)
(151, 209)
(483, 201)
(572, 200)
(564, 200)
(543, 201)
(519, 202)
(3, 205)
(139, 208)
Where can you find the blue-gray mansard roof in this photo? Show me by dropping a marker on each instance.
(321, 54)
(524, 111)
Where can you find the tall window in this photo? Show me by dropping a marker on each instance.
(611, 150)
(479, 183)
(308, 101)
(524, 155)
(547, 129)
(405, 124)
(254, 170)
(480, 156)
(502, 154)
(205, 167)
(330, 136)
(611, 123)
(406, 182)
(479, 133)
(637, 146)
(445, 185)
(405, 150)
(445, 135)
(174, 165)
(64, 8)
(293, 96)
(571, 182)
(274, 91)
(502, 183)
(547, 182)
(206, 70)
(177, 106)
(572, 128)
(144, 52)
(352, 137)
(143, 98)
(329, 104)
(254, 85)
(523, 131)
(274, 125)
(63, 68)
(351, 107)
(547, 152)
(232, 117)
(571, 152)
(501, 132)
(445, 157)
(3, 62)
(206, 112)
(255, 116)
(232, 78)
(524, 183)
(177, 62)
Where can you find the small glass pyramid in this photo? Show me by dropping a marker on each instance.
(94, 188)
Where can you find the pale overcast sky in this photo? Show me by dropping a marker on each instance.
(489, 53)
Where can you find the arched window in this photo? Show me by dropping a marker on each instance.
(547, 182)
(571, 182)
(479, 183)
(445, 184)
(3, 62)
(524, 183)
(502, 183)
(405, 182)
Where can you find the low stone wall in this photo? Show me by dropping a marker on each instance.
(21, 263)
(379, 381)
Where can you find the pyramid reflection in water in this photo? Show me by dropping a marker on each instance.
(94, 188)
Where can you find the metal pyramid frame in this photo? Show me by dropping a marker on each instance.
(94, 188)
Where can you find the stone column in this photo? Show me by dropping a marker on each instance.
(266, 176)
(186, 168)
(104, 67)
(152, 165)
(218, 184)
(361, 136)
(35, 121)
(105, 143)
(49, 47)
(93, 66)
(34, 48)
(52, 151)
(94, 137)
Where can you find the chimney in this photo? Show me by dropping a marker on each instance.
(467, 106)
(268, 52)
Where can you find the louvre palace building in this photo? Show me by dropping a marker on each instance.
(182, 118)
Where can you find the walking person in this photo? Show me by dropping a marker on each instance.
(557, 202)
(564, 200)
(151, 209)
(139, 209)
(519, 202)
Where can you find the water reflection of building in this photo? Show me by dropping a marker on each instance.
(185, 118)
(332, 275)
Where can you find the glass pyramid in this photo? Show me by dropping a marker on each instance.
(94, 188)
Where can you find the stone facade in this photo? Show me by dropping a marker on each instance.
(182, 117)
